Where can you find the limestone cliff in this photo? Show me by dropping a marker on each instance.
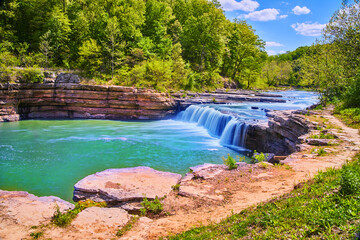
(69, 99)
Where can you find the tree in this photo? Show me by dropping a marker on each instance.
(90, 56)
(112, 45)
(45, 46)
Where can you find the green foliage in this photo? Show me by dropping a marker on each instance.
(29, 75)
(152, 207)
(258, 157)
(350, 116)
(64, 219)
(176, 187)
(230, 162)
(36, 235)
(128, 226)
(350, 179)
(317, 210)
(323, 136)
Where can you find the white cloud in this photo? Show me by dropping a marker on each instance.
(273, 44)
(264, 15)
(282, 52)
(271, 52)
(283, 16)
(243, 5)
(301, 10)
(308, 28)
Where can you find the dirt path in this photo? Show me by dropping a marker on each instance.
(248, 189)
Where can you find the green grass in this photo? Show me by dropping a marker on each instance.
(64, 219)
(325, 208)
(351, 116)
(127, 227)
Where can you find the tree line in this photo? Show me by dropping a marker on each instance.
(163, 44)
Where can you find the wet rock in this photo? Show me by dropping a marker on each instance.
(125, 185)
(97, 220)
(27, 209)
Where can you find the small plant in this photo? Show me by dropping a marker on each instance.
(127, 227)
(259, 157)
(36, 235)
(64, 219)
(230, 162)
(321, 152)
(154, 207)
(176, 187)
(214, 100)
(323, 136)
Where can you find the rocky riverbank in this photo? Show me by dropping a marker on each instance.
(208, 193)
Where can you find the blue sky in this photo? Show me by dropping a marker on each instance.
(283, 25)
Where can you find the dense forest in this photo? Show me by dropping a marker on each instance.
(172, 45)
(182, 44)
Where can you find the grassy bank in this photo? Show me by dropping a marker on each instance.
(326, 207)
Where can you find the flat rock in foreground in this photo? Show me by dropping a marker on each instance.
(125, 185)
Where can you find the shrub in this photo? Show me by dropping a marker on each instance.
(154, 207)
(29, 75)
(176, 187)
(127, 227)
(350, 180)
(230, 162)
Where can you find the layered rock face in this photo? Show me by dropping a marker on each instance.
(280, 136)
(65, 98)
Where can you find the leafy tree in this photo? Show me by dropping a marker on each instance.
(90, 56)
(45, 46)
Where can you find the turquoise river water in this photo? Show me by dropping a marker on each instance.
(47, 157)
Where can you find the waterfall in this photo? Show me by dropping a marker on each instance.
(231, 131)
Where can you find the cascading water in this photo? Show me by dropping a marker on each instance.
(229, 129)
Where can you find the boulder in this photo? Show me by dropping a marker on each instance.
(118, 186)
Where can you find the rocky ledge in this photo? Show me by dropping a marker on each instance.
(280, 135)
(125, 187)
(66, 98)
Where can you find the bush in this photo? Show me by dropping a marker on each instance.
(29, 75)
(352, 95)
(350, 180)
(6, 74)
(230, 162)
(154, 207)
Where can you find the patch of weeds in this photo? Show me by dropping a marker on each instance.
(36, 235)
(176, 187)
(350, 180)
(64, 219)
(152, 207)
(230, 162)
(323, 136)
(321, 152)
(214, 100)
(127, 227)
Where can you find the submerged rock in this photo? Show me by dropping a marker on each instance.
(118, 186)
